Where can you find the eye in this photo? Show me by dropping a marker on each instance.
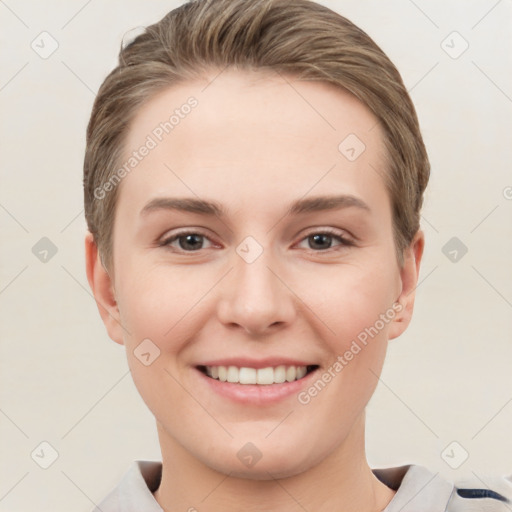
(189, 241)
(318, 241)
(322, 240)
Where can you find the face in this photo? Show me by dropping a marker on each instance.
(257, 308)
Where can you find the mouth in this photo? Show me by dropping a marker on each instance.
(267, 376)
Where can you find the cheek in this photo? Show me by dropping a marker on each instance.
(157, 309)
(158, 301)
(353, 301)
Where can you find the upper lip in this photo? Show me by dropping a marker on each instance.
(246, 362)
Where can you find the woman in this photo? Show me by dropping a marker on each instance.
(254, 175)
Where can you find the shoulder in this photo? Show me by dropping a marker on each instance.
(420, 490)
(135, 490)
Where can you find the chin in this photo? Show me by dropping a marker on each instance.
(262, 471)
(272, 462)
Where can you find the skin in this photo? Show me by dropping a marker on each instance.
(255, 144)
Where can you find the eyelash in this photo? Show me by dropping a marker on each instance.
(344, 242)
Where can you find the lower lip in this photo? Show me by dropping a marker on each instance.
(257, 394)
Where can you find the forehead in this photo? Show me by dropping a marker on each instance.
(254, 136)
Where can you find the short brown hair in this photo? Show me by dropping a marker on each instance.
(299, 38)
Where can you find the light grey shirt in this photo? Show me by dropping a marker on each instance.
(417, 490)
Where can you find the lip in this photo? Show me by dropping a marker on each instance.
(255, 394)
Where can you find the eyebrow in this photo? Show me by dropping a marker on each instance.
(213, 208)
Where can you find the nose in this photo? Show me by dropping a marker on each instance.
(255, 297)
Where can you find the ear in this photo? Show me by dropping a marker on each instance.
(102, 288)
(409, 278)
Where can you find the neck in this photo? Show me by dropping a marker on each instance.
(343, 482)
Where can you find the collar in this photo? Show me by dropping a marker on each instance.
(418, 489)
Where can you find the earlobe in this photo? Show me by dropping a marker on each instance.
(409, 274)
(102, 288)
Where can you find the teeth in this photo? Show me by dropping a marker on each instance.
(232, 374)
(264, 376)
(247, 375)
(291, 373)
(301, 371)
(280, 374)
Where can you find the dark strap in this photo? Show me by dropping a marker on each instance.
(481, 493)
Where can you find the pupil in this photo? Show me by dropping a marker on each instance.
(190, 241)
(193, 242)
(320, 238)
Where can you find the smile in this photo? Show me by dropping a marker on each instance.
(263, 376)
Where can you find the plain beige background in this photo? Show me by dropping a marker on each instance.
(63, 382)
